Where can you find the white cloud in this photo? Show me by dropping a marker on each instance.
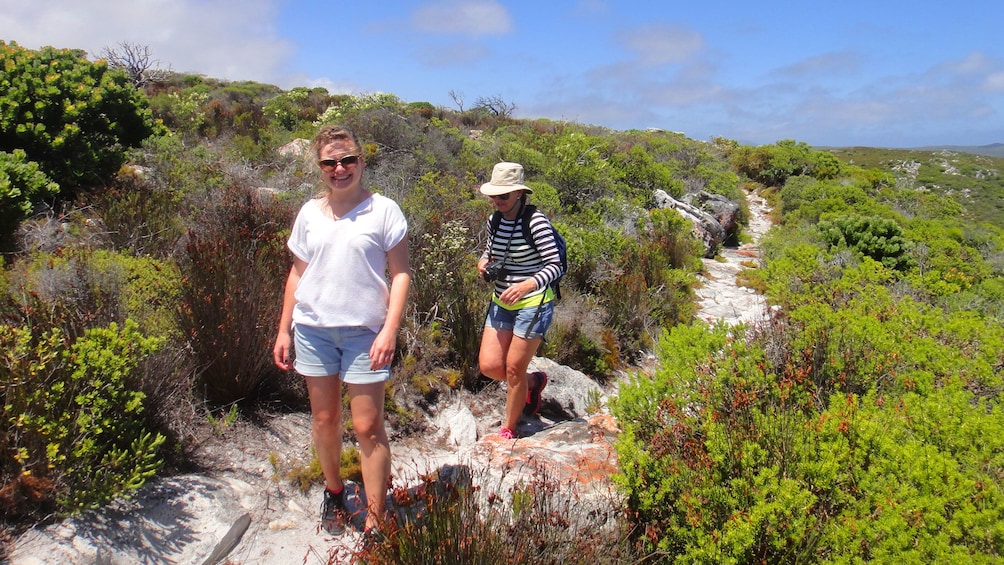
(450, 55)
(974, 63)
(995, 82)
(463, 17)
(226, 39)
(658, 44)
(840, 63)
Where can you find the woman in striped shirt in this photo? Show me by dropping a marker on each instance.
(521, 270)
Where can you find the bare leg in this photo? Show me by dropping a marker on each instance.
(366, 403)
(521, 352)
(492, 357)
(326, 426)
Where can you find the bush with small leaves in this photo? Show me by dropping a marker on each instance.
(449, 300)
(858, 425)
(730, 454)
(346, 106)
(21, 185)
(879, 238)
(76, 289)
(76, 413)
(772, 165)
(655, 274)
(73, 117)
(138, 215)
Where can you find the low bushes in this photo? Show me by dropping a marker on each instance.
(866, 428)
(74, 417)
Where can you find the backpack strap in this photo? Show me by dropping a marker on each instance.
(528, 211)
(493, 228)
(496, 221)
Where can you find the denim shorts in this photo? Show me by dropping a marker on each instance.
(322, 352)
(519, 321)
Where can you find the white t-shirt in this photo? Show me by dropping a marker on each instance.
(344, 284)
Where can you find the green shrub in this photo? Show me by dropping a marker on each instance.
(576, 166)
(947, 261)
(149, 290)
(79, 288)
(346, 107)
(74, 413)
(653, 286)
(21, 185)
(448, 299)
(638, 170)
(917, 477)
(73, 117)
(139, 216)
(578, 337)
(733, 454)
(297, 108)
(181, 111)
(772, 165)
(858, 426)
(807, 198)
(879, 238)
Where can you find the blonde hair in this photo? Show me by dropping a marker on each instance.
(330, 134)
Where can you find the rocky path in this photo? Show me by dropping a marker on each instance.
(720, 298)
(239, 510)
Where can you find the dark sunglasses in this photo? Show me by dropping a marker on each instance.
(346, 162)
(501, 196)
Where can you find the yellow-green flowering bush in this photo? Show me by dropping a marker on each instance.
(73, 413)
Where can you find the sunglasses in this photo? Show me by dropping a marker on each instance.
(501, 196)
(346, 162)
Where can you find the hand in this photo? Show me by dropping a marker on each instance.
(280, 352)
(517, 291)
(382, 350)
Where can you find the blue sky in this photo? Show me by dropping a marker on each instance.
(879, 73)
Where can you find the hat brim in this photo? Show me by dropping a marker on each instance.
(490, 189)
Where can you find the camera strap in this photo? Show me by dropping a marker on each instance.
(505, 256)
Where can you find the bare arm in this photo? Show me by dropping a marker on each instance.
(284, 335)
(382, 351)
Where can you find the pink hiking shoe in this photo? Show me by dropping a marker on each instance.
(533, 396)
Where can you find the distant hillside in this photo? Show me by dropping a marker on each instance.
(973, 179)
(992, 150)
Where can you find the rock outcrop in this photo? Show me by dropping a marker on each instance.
(714, 217)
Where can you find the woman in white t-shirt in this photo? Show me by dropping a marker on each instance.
(342, 318)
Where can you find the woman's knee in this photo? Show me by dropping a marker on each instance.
(494, 372)
(514, 377)
(326, 429)
(369, 430)
(491, 367)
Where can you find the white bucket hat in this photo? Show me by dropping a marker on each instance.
(506, 177)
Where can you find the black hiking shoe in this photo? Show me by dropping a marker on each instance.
(334, 516)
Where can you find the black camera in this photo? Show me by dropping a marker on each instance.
(494, 270)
